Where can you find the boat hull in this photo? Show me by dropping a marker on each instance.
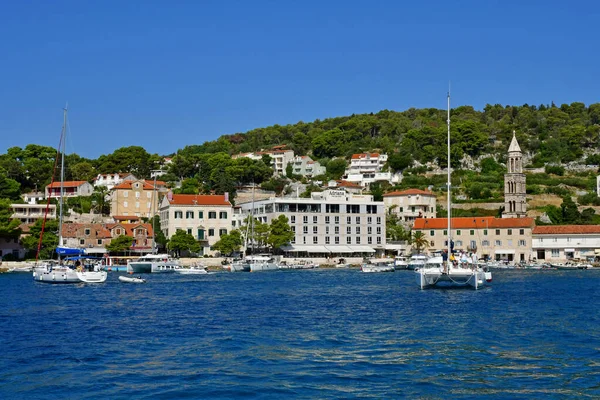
(92, 276)
(127, 279)
(455, 278)
(56, 275)
(259, 267)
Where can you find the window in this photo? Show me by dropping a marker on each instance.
(200, 233)
(99, 242)
(358, 220)
(139, 231)
(521, 243)
(336, 230)
(118, 231)
(555, 252)
(369, 240)
(305, 219)
(378, 239)
(371, 209)
(125, 194)
(315, 219)
(189, 231)
(200, 214)
(348, 220)
(497, 231)
(378, 220)
(337, 220)
(354, 209)
(315, 229)
(358, 240)
(327, 230)
(327, 219)
(431, 233)
(137, 195)
(348, 230)
(349, 240)
(485, 232)
(401, 209)
(81, 241)
(87, 231)
(189, 215)
(485, 243)
(223, 215)
(412, 208)
(293, 219)
(473, 244)
(509, 231)
(458, 232)
(369, 220)
(211, 232)
(445, 232)
(498, 242)
(369, 230)
(336, 239)
(315, 240)
(327, 240)
(521, 231)
(358, 230)
(212, 215)
(379, 230)
(459, 243)
(304, 240)
(472, 232)
(293, 229)
(305, 229)
(222, 232)
(125, 204)
(178, 215)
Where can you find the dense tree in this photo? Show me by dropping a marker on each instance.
(229, 243)
(120, 244)
(9, 227)
(419, 241)
(182, 241)
(280, 232)
(49, 239)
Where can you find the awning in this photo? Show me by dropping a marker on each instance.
(570, 250)
(362, 249)
(297, 248)
(511, 251)
(339, 248)
(597, 251)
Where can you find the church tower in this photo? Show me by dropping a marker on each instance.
(515, 203)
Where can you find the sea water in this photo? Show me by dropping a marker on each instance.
(310, 334)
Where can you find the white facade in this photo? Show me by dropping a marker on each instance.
(29, 213)
(280, 158)
(411, 204)
(112, 180)
(366, 168)
(34, 197)
(330, 222)
(305, 166)
(206, 217)
(559, 243)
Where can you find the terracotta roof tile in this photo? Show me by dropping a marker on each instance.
(67, 184)
(566, 229)
(474, 223)
(200, 199)
(364, 155)
(409, 192)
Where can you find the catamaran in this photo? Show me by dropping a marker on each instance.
(449, 270)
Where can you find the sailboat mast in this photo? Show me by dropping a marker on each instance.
(62, 178)
(449, 187)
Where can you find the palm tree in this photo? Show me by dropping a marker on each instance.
(419, 241)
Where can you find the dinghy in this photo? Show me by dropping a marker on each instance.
(131, 279)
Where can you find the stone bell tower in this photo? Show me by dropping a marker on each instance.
(515, 202)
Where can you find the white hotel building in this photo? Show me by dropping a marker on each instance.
(332, 222)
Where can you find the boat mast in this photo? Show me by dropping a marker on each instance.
(62, 178)
(449, 187)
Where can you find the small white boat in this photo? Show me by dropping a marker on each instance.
(401, 262)
(378, 265)
(193, 270)
(92, 276)
(131, 279)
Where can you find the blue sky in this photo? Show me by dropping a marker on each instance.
(166, 74)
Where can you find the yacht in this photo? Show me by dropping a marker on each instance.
(262, 262)
(416, 261)
(153, 263)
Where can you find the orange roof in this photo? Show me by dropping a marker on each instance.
(126, 218)
(200, 199)
(67, 184)
(409, 192)
(474, 223)
(566, 229)
(364, 155)
(127, 185)
(347, 184)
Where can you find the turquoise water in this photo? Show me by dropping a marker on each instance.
(312, 334)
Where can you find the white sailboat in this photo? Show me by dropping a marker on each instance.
(450, 271)
(57, 271)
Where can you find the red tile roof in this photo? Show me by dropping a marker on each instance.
(409, 192)
(348, 184)
(566, 229)
(364, 155)
(474, 223)
(200, 199)
(126, 218)
(127, 185)
(67, 184)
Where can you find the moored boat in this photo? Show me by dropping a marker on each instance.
(131, 279)
(262, 262)
(153, 263)
(193, 270)
(378, 265)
